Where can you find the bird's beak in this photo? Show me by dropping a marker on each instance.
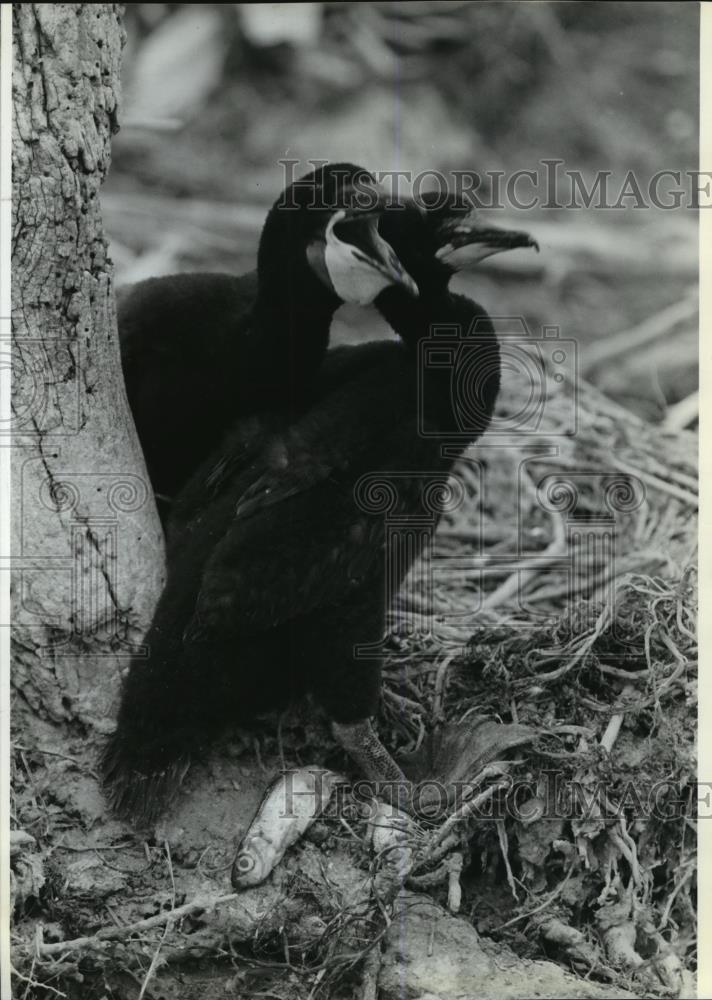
(359, 232)
(465, 244)
(352, 258)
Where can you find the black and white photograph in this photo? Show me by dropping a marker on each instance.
(349, 437)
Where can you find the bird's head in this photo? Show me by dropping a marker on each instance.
(438, 236)
(328, 222)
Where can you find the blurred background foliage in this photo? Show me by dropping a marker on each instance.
(216, 94)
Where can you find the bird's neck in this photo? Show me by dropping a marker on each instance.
(456, 354)
(291, 322)
(293, 309)
(408, 316)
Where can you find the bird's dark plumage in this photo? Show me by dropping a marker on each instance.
(276, 572)
(200, 351)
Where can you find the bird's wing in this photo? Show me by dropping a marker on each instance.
(296, 538)
(260, 442)
(289, 550)
(163, 316)
(241, 449)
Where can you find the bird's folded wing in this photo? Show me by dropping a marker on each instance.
(257, 440)
(240, 450)
(296, 550)
(295, 539)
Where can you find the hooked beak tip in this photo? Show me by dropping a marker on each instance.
(514, 240)
(409, 284)
(466, 247)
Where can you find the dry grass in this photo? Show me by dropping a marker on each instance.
(581, 623)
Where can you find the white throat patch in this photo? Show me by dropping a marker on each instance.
(355, 278)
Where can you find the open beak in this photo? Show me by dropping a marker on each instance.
(359, 230)
(466, 244)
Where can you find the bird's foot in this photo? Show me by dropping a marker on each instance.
(383, 775)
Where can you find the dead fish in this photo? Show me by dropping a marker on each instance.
(288, 808)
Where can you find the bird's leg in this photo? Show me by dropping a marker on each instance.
(364, 747)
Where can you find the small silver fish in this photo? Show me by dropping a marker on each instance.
(288, 808)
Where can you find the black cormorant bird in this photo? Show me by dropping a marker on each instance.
(277, 569)
(201, 350)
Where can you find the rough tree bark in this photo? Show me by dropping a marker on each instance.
(87, 545)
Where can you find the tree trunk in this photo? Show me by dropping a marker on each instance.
(87, 545)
